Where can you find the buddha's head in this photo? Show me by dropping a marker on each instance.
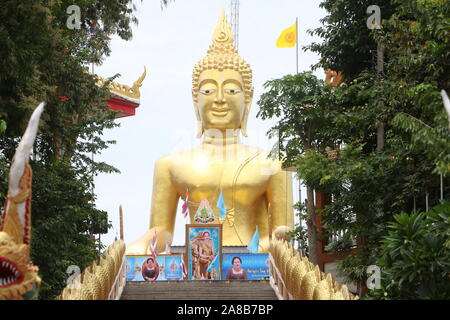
(222, 88)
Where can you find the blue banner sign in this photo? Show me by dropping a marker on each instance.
(245, 266)
(148, 268)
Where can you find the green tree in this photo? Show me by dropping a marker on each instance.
(345, 33)
(369, 186)
(294, 100)
(63, 217)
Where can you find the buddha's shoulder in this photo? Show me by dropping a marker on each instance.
(168, 158)
(262, 154)
(176, 158)
(192, 155)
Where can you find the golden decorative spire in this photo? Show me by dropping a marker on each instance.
(138, 83)
(222, 38)
(124, 90)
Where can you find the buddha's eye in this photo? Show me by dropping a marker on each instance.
(207, 91)
(232, 91)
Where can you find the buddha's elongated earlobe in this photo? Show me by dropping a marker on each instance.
(200, 128)
(245, 115)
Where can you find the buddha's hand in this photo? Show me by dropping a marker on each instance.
(142, 245)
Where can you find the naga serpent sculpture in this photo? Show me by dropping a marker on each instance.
(19, 279)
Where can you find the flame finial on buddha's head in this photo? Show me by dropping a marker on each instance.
(222, 38)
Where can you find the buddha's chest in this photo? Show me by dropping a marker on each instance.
(241, 180)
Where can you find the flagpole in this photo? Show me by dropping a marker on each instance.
(296, 40)
(121, 222)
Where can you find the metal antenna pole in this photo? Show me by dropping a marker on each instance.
(235, 21)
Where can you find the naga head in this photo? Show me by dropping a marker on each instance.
(18, 277)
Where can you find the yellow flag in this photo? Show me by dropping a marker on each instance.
(288, 37)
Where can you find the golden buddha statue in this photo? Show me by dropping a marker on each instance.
(255, 190)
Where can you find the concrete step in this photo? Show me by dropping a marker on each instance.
(199, 290)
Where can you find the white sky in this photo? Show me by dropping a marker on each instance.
(169, 43)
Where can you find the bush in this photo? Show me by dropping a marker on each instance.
(415, 259)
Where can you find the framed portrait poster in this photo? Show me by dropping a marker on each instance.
(204, 251)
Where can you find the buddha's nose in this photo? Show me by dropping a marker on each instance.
(219, 97)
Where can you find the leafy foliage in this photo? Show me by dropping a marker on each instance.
(63, 230)
(416, 256)
(297, 101)
(346, 35)
(300, 233)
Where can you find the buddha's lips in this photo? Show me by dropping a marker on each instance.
(9, 273)
(219, 113)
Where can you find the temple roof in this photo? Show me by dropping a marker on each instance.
(125, 99)
(124, 92)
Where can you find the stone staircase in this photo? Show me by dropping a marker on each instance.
(199, 290)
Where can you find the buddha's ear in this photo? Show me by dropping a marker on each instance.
(200, 130)
(199, 120)
(244, 120)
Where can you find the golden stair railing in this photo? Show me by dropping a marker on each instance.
(295, 278)
(104, 279)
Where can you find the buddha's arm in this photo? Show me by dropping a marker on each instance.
(162, 218)
(279, 196)
(164, 198)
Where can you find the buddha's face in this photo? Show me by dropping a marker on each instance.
(221, 99)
